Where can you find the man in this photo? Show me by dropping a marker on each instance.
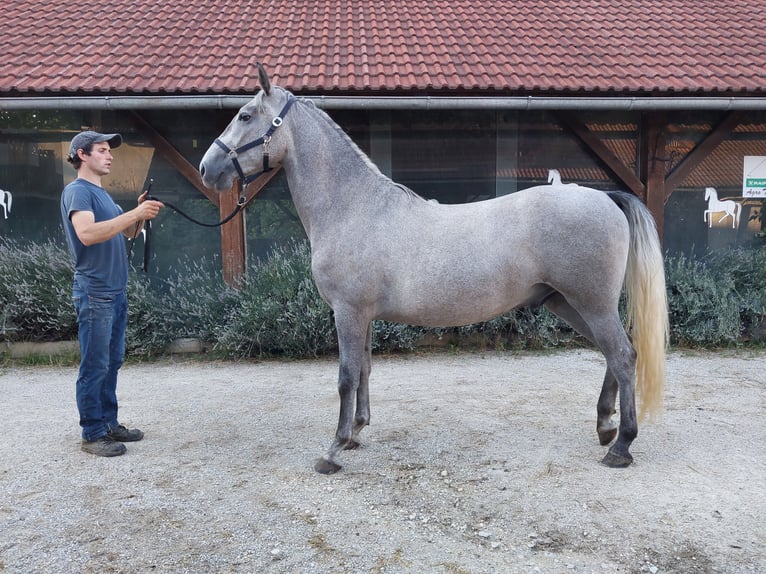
(94, 225)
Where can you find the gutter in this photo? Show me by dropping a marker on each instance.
(621, 103)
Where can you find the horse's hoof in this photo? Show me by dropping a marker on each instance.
(352, 444)
(613, 460)
(324, 466)
(606, 436)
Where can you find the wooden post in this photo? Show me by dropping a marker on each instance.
(654, 158)
(233, 247)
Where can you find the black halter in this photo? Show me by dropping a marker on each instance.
(263, 140)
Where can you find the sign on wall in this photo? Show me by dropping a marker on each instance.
(754, 176)
(6, 201)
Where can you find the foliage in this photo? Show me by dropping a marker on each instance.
(190, 303)
(522, 329)
(747, 272)
(700, 305)
(35, 292)
(718, 301)
(277, 311)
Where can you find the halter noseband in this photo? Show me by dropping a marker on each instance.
(263, 140)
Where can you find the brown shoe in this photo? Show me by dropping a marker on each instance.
(123, 434)
(103, 446)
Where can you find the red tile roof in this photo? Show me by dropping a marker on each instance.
(660, 47)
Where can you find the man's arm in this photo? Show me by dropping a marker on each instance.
(90, 232)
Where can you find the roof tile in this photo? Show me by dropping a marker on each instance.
(402, 46)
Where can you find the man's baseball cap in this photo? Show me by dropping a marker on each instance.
(85, 139)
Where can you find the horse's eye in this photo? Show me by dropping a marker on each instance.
(244, 117)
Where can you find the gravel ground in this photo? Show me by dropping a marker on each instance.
(478, 462)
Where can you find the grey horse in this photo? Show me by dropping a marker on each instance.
(380, 251)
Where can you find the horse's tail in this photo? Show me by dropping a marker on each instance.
(647, 302)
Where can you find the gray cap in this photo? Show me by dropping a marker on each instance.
(84, 139)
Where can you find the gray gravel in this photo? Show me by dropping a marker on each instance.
(480, 462)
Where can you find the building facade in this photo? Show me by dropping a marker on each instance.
(676, 116)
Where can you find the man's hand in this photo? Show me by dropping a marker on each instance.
(147, 208)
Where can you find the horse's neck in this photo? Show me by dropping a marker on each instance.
(327, 174)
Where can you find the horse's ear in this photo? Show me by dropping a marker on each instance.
(263, 79)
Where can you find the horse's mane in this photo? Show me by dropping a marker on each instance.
(355, 148)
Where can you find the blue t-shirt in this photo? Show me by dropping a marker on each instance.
(101, 268)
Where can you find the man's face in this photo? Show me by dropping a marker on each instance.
(99, 160)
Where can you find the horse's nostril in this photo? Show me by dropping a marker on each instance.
(202, 170)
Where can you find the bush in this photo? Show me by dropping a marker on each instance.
(35, 292)
(720, 301)
(522, 329)
(190, 303)
(702, 309)
(278, 310)
(746, 269)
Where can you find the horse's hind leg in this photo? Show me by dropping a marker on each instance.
(613, 341)
(606, 427)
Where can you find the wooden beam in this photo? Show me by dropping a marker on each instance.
(254, 188)
(233, 238)
(171, 154)
(233, 245)
(701, 151)
(652, 161)
(622, 172)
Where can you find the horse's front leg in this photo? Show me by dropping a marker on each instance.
(362, 416)
(352, 336)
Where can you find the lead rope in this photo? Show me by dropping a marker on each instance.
(240, 204)
(148, 224)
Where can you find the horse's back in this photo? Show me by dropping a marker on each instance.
(549, 224)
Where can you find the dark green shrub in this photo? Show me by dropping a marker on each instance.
(35, 292)
(191, 302)
(747, 270)
(391, 337)
(719, 301)
(278, 310)
(703, 304)
(522, 329)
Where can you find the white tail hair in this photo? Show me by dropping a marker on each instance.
(647, 303)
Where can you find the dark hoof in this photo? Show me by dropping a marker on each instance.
(606, 436)
(352, 444)
(324, 466)
(613, 460)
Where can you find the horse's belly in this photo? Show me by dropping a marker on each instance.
(450, 305)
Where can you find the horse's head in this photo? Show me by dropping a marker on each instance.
(252, 143)
(709, 191)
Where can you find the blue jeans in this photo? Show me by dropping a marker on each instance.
(101, 320)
